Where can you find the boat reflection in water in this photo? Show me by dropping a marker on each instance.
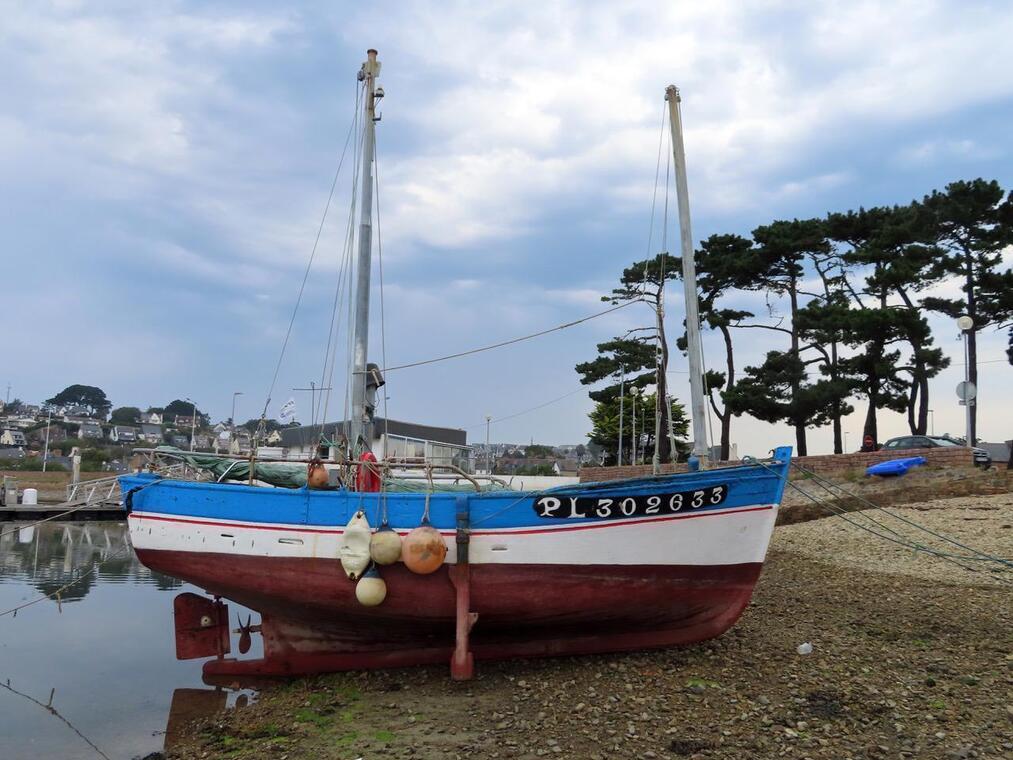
(90, 673)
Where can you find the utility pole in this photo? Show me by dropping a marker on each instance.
(633, 434)
(193, 421)
(488, 453)
(233, 417)
(361, 423)
(622, 398)
(49, 423)
(698, 403)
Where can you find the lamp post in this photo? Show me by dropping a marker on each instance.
(45, 453)
(488, 452)
(233, 417)
(193, 420)
(932, 421)
(966, 392)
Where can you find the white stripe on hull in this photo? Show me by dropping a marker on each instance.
(720, 537)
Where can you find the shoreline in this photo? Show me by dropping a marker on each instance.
(904, 664)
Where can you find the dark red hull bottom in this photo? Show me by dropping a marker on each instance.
(312, 622)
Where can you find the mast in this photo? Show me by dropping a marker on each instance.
(361, 422)
(698, 407)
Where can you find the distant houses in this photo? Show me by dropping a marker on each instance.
(13, 438)
(90, 430)
(150, 433)
(123, 434)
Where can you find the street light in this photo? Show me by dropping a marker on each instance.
(233, 417)
(488, 453)
(49, 424)
(193, 420)
(966, 391)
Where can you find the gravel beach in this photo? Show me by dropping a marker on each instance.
(912, 657)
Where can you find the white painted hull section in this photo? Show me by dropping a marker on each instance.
(719, 537)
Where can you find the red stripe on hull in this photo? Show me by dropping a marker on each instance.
(312, 622)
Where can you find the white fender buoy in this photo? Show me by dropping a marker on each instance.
(385, 546)
(371, 589)
(354, 551)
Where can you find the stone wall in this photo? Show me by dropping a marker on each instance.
(829, 464)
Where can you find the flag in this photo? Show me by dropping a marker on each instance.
(287, 411)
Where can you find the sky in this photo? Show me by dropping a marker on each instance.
(165, 168)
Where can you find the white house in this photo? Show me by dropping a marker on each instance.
(393, 440)
(91, 430)
(150, 433)
(123, 434)
(151, 418)
(14, 438)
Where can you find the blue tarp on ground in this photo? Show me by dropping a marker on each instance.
(893, 467)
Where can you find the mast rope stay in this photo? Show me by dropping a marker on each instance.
(538, 334)
(309, 264)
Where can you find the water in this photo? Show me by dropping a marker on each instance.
(105, 652)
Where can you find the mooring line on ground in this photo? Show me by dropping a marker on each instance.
(53, 711)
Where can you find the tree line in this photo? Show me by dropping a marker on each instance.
(845, 295)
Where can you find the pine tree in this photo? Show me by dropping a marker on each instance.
(973, 223)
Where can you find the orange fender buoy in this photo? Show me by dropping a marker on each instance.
(423, 550)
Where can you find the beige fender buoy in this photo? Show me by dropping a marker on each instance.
(424, 550)
(385, 546)
(371, 589)
(354, 551)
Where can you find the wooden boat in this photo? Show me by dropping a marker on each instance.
(628, 564)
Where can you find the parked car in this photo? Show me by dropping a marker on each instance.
(981, 457)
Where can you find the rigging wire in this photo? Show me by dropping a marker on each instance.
(538, 334)
(309, 264)
(529, 410)
(344, 270)
(383, 323)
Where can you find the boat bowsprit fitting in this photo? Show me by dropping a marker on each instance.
(371, 589)
(354, 551)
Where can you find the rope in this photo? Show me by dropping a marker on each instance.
(538, 334)
(901, 540)
(82, 576)
(383, 311)
(309, 264)
(53, 711)
(828, 486)
(527, 411)
(44, 520)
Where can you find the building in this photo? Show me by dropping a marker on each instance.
(90, 430)
(123, 434)
(151, 418)
(567, 467)
(150, 433)
(393, 440)
(13, 438)
(180, 441)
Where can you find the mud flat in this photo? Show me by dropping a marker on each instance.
(912, 658)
